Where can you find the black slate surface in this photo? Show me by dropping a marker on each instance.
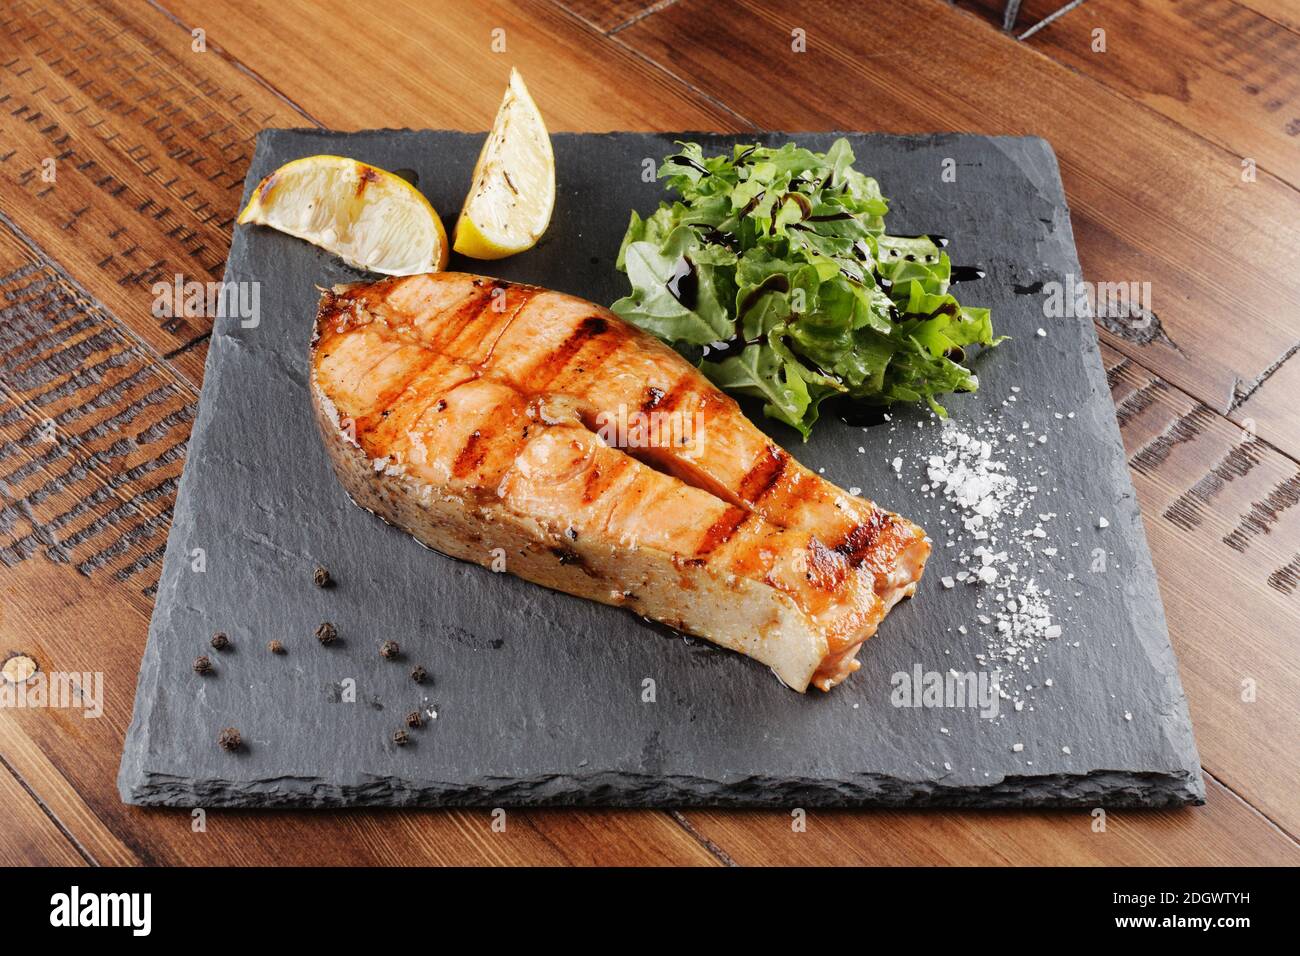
(539, 696)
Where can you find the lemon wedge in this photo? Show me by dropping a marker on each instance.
(370, 218)
(510, 202)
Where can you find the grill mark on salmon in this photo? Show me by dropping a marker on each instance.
(550, 365)
(827, 567)
(862, 539)
(601, 479)
(675, 393)
(721, 531)
(470, 456)
(391, 395)
(764, 473)
(476, 449)
(488, 322)
(471, 448)
(399, 416)
(466, 315)
(589, 360)
(858, 541)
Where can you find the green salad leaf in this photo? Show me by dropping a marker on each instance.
(774, 264)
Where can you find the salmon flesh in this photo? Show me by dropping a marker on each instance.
(530, 431)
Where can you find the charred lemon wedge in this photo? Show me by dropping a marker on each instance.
(510, 202)
(370, 218)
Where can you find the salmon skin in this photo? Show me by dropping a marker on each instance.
(515, 427)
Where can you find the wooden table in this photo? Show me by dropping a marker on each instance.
(125, 132)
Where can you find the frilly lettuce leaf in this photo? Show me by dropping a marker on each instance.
(781, 256)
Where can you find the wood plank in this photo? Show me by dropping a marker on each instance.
(993, 12)
(1270, 407)
(1186, 60)
(608, 15)
(433, 66)
(1284, 12)
(93, 431)
(56, 792)
(29, 837)
(1224, 71)
(1219, 509)
(1143, 191)
(1224, 832)
(147, 142)
(92, 434)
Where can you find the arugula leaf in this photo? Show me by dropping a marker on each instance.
(677, 288)
(762, 372)
(786, 250)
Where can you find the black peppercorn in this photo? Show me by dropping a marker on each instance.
(389, 650)
(327, 633)
(202, 664)
(419, 674)
(401, 738)
(219, 641)
(230, 739)
(275, 647)
(413, 719)
(321, 578)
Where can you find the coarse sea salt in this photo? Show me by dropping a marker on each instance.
(968, 468)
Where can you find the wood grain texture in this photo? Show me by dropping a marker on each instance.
(1270, 408)
(1230, 72)
(28, 837)
(1214, 66)
(1212, 835)
(92, 430)
(1285, 12)
(610, 15)
(435, 65)
(1141, 188)
(993, 11)
(84, 514)
(1219, 507)
(124, 151)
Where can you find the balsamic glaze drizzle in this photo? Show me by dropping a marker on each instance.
(684, 283)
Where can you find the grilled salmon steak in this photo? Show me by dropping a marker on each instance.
(503, 422)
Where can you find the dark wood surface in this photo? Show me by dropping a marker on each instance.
(150, 139)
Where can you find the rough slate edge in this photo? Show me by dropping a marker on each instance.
(1115, 788)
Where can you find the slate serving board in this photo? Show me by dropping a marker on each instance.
(539, 697)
